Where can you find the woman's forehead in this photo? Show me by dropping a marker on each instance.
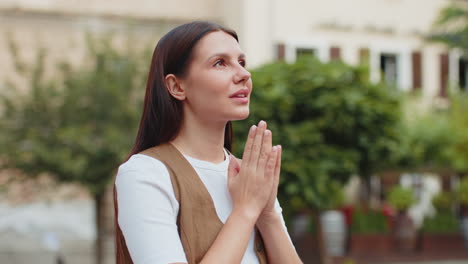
(218, 42)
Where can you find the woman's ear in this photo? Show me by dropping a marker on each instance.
(174, 87)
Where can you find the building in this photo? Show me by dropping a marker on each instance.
(386, 34)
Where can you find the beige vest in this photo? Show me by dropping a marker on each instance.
(197, 220)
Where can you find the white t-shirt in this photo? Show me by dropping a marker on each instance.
(148, 208)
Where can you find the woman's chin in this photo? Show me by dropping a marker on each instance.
(240, 115)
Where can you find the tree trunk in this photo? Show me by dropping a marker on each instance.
(104, 244)
(98, 207)
(324, 258)
(365, 191)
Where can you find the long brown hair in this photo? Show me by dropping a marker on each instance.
(162, 113)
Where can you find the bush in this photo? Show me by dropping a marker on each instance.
(443, 200)
(462, 191)
(443, 222)
(400, 198)
(369, 222)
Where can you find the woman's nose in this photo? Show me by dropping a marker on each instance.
(242, 75)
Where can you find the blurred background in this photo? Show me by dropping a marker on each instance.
(367, 97)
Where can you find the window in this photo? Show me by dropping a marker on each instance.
(389, 68)
(300, 52)
(463, 73)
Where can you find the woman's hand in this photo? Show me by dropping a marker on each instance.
(269, 214)
(250, 184)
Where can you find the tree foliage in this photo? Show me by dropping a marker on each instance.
(79, 123)
(424, 139)
(331, 121)
(451, 27)
(458, 118)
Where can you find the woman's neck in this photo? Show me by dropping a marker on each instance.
(201, 140)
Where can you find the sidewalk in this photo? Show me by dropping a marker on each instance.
(435, 262)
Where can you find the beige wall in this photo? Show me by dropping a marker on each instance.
(59, 25)
(63, 36)
(394, 26)
(401, 16)
(383, 26)
(163, 9)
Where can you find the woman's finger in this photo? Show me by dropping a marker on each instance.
(248, 144)
(278, 164)
(257, 144)
(271, 163)
(278, 161)
(265, 151)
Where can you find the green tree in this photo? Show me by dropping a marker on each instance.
(451, 27)
(425, 138)
(331, 121)
(457, 151)
(78, 124)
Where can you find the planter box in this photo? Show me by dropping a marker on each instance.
(442, 242)
(307, 247)
(370, 243)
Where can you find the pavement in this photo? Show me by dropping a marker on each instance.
(453, 261)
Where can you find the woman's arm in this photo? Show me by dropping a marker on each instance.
(148, 211)
(249, 185)
(277, 243)
(232, 240)
(270, 224)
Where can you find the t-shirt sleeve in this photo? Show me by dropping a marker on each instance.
(279, 211)
(148, 211)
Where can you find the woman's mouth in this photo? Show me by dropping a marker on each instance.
(241, 96)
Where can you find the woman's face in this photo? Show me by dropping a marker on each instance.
(217, 85)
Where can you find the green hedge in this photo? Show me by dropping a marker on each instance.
(368, 222)
(444, 221)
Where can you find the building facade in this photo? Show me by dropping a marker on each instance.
(388, 35)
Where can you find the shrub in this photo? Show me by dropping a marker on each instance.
(444, 221)
(400, 198)
(443, 200)
(368, 222)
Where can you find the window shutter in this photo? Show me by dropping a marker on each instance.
(335, 53)
(280, 51)
(444, 67)
(416, 58)
(364, 56)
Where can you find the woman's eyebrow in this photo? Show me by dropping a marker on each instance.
(225, 55)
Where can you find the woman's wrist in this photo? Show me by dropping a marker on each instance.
(245, 215)
(268, 220)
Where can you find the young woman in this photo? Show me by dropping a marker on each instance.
(197, 85)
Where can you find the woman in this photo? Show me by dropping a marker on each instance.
(197, 84)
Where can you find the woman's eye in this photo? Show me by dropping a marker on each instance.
(242, 63)
(219, 63)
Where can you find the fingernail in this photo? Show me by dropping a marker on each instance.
(274, 149)
(262, 123)
(252, 128)
(267, 132)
